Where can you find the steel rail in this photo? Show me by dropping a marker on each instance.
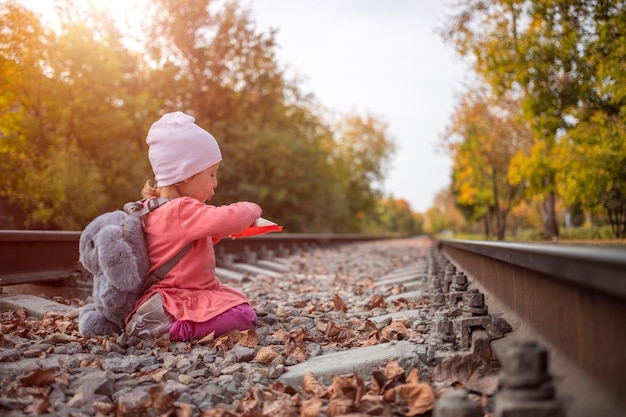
(36, 256)
(601, 268)
(570, 297)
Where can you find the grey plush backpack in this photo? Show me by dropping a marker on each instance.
(113, 248)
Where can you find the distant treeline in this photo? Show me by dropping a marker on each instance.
(545, 119)
(78, 96)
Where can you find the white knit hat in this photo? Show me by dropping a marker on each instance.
(179, 149)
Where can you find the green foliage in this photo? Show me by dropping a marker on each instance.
(77, 102)
(395, 217)
(485, 135)
(565, 60)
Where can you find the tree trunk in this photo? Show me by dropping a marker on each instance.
(501, 216)
(550, 226)
(487, 226)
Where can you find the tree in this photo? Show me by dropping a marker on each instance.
(443, 215)
(394, 216)
(69, 115)
(530, 48)
(78, 103)
(592, 155)
(360, 157)
(483, 138)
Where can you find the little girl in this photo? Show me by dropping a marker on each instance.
(189, 302)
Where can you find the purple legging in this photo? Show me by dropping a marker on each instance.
(241, 317)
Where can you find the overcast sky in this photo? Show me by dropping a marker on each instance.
(380, 57)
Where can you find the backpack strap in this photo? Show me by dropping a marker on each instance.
(138, 209)
(161, 271)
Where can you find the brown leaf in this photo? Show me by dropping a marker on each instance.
(266, 354)
(63, 338)
(311, 407)
(413, 377)
(312, 386)
(93, 363)
(419, 397)
(225, 342)
(373, 405)
(297, 351)
(298, 334)
(339, 406)
(207, 339)
(152, 375)
(21, 314)
(396, 330)
(38, 378)
(184, 410)
(332, 330)
(374, 339)
(367, 326)
(249, 338)
(351, 387)
(393, 370)
(339, 303)
(377, 382)
(62, 379)
(376, 301)
(40, 406)
(469, 370)
(162, 400)
(281, 335)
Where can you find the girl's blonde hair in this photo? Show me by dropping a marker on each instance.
(150, 189)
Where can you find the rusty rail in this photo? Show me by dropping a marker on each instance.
(37, 256)
(570, 297)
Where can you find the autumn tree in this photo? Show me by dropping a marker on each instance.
(529, 48)
(78, 103)
(395, 216)
(213, 63)
(70, 112)
(361, 156)
(444, 214)
(484, 136)
(592, 155)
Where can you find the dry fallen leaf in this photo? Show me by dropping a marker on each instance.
(419, 397)
(38, 378)
(297, 351)
(266, 354)
(469, 370)
(40, 406)
(207, 339)
(282, 335)
(162, 400)
(310, 407)
(396, 330)
(393, 370)
(312, 385)
(339, 303)
(249, 338)
(339, 406)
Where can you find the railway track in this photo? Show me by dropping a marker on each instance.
(462, 314)
(40, 256)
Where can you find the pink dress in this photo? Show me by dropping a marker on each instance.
(191, 291)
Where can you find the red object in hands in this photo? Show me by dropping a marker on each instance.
(259, 227)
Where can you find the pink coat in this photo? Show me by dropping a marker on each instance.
(191, 291)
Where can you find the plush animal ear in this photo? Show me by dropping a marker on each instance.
(117, 259)
(88, 253)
